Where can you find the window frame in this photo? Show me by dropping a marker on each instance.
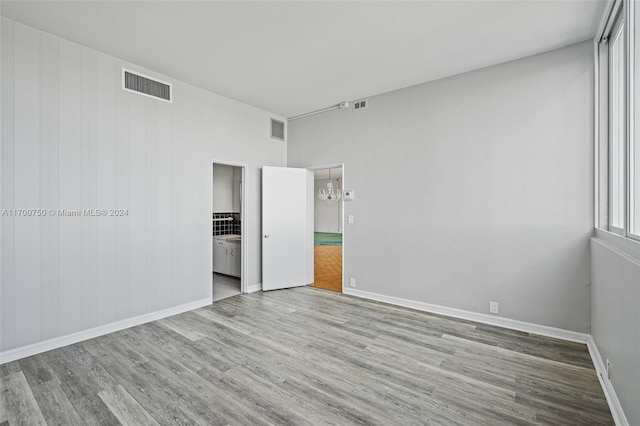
(617, 32)
(619, 13)
(632, 169)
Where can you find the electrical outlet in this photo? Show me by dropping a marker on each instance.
(608, 370)
(352, 282)
(493, 307)
(350, 218)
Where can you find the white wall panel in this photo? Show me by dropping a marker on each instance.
(72, 139)
(28, 252)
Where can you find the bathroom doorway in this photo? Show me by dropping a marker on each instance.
(328, 228)
(227, 223)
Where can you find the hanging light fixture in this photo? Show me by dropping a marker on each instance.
(328, 194)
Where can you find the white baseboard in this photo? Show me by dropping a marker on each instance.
(253, 288)
(58, 342)
(607, 387)
(543, 330)
(558, 333)
(601, 371)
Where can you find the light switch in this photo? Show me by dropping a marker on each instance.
(350, 218)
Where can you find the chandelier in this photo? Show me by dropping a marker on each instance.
(328, 194)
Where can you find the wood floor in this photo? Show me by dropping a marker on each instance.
(306, 357)
(327, 263)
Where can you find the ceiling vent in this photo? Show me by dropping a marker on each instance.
(277, 129)
(146, 86)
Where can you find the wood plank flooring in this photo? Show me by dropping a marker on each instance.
(327, 263)
(306, 356)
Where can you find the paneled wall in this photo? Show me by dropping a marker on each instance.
(72, 139)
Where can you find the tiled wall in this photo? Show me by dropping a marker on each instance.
(227, 226)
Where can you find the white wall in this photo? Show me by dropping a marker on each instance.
(326, 213)
(72, 139)
(236, 190)
(225, 198)
(487, 191)
(615, 318)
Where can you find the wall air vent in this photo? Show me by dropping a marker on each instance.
(360, 104)
(277, 129)
(135, 82)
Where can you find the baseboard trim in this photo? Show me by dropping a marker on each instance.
(58, 342)
(253, 288)
(607, 387)
(558, 333)
(612, 399)
(543, 330)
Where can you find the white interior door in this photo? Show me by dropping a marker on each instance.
(285, 227)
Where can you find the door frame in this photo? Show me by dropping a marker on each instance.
(342, 221)
(243, 219)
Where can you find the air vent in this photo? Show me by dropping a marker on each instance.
(146, 86)
(360, 104)
(277, 129)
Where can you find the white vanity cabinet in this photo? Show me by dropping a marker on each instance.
(234, 259)
(220, 254)
(226, 256)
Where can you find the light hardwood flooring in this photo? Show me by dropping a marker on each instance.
(306, 356)
(327, 264)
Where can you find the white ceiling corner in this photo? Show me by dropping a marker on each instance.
(293, 57)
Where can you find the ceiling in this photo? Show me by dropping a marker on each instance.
(293, 57)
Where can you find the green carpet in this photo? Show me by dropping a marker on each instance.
(327, 239)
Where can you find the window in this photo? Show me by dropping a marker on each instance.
(618, 152)
(634, 144)
(617, 125)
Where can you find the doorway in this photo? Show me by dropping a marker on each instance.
(227, 224)
(328, 228)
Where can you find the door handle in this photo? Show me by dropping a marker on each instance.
(266, 235)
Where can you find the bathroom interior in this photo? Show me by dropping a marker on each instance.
(227, 231)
